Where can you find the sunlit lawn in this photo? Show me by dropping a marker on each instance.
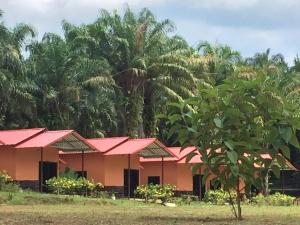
(88, 211)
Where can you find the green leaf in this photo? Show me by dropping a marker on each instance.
(286, 133)
(218, 122)
(229, 144)
(205, 175)
(276, 170)
(294, 141)
(190, 156)
(286, 151)
(192, 130)
(235, 170)
(232, 155)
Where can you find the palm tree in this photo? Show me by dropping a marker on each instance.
(66, 80)
(218, 61)
(145, 63)
(17, 104)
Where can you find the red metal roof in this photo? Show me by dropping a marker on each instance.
(45, 139)
(132, 146)
(14, 137)
(106, 144)
(197, 158)
(67, 140)
(178, 152)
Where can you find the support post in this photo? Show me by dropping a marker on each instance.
(41, 170)
(282, 181)
(162, 171)
(82, 163)
(129, 178)
(58, 168)
(200, 184)
(82, 171)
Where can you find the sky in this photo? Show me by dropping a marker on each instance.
(248, 26)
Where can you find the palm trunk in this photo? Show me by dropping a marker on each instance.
(149, 121)
(134, 112)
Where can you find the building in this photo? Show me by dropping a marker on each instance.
(176, 172)
(31, 156)
(116, 162)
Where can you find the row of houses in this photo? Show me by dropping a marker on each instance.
(32, 156)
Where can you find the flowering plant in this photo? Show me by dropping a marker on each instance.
(71, 186)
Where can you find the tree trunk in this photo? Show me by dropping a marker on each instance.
(149, 121)
(238, 200)
(134, 110)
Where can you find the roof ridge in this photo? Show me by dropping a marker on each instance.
(56, 131)
(142, 139)
(36, 128)
(106, 138)
(33, 136)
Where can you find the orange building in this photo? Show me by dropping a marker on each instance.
(30, 156)
(176, 172)
(114, 158)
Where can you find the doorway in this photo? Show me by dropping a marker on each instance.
(198, 186)
(134, 182)
(49, 170)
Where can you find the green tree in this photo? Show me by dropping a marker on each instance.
(17, 104)
(219, 61)
(147, 64)
(73, 90)
(245, 118)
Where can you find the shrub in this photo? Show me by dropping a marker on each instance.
(276, 199)
(154, 192)
(7, 184)
(71, 186)
(219, 196)
(10, 187)
(4, 177)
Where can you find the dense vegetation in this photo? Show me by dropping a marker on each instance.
(116, 75)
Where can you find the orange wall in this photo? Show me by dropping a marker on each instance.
(23, 164)
(184, 177)
(155, 169)
(93, 164)
(7, 161)
(27, 162)
(176, 174)
(114, 168)
(108, 170)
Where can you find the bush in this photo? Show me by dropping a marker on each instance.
(4, 177)
(7, 184)
(154, 192)
(219, 196)
(276, 199)
(72, 186)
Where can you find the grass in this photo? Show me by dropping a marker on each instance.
(33, 208)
